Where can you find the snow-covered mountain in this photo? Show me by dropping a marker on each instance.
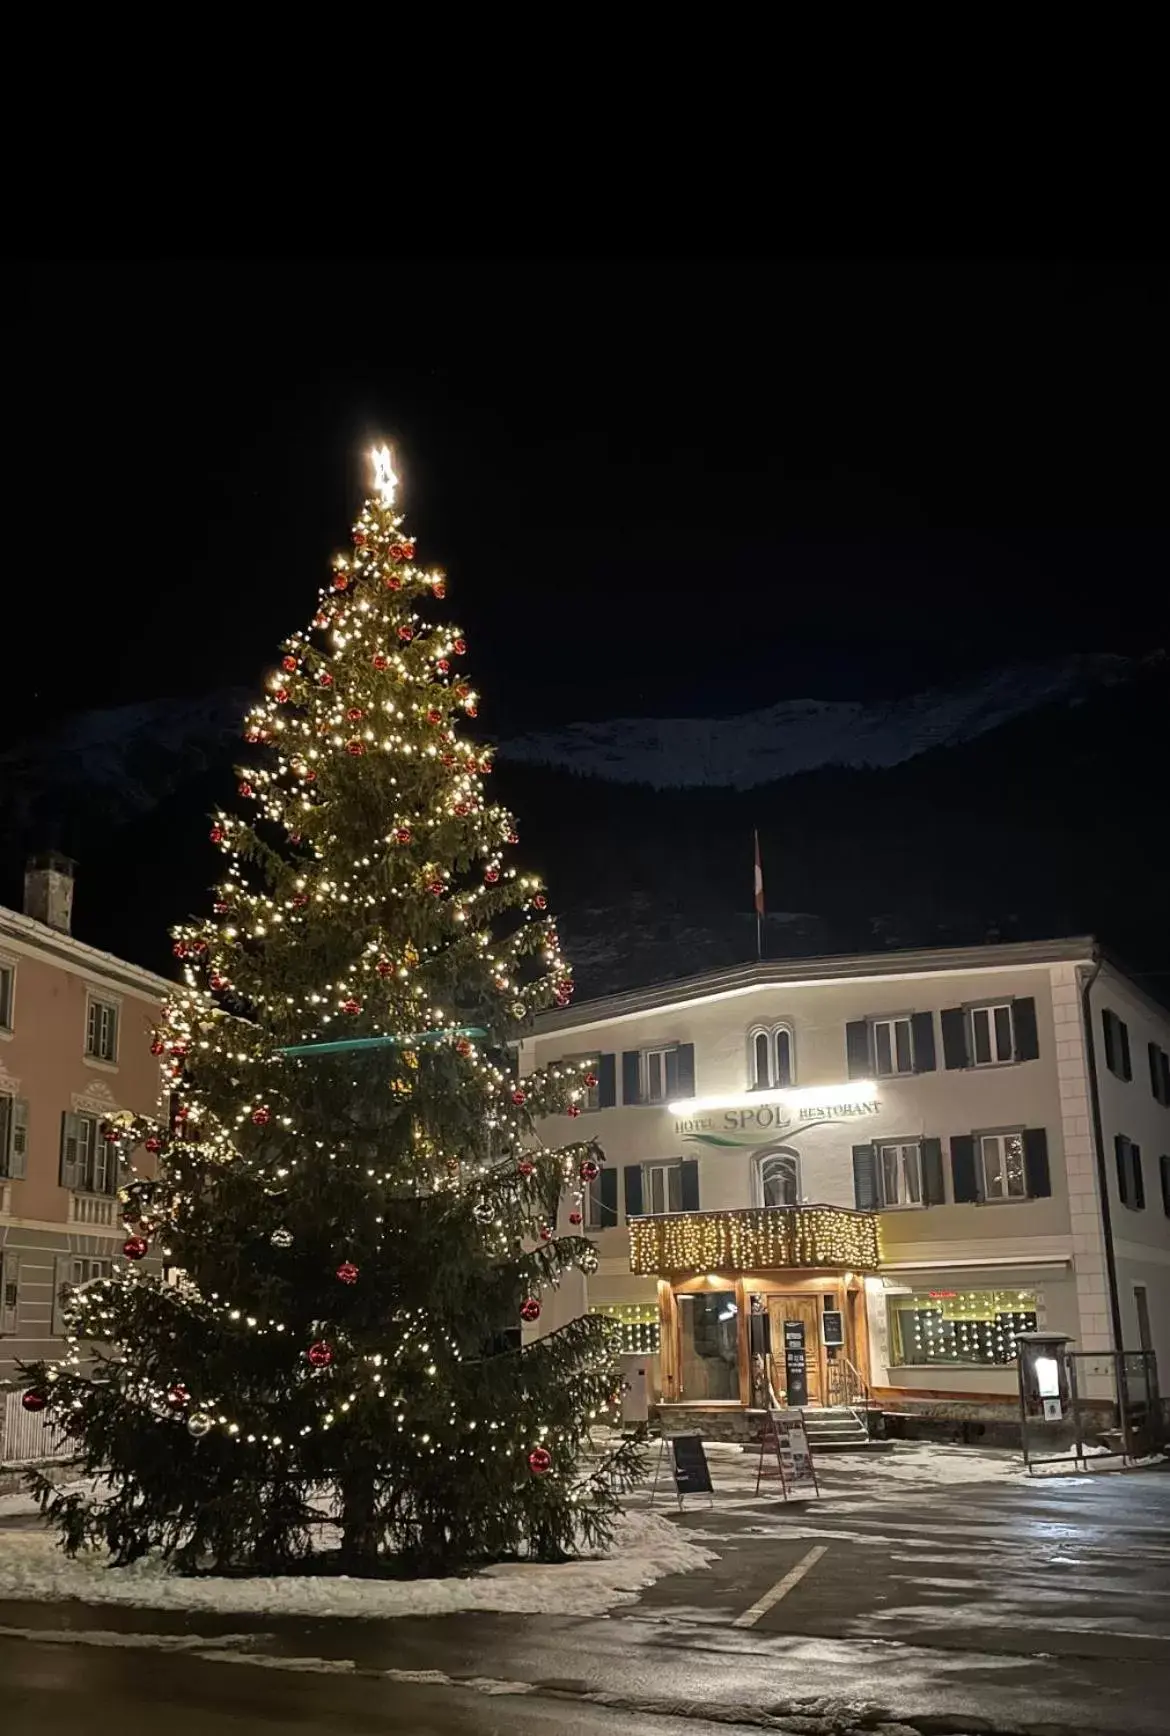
(798, 735)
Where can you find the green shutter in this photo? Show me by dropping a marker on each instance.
(1036, 1173)
(633, 1175)
(934, 1192)
(632, 1076)
(1024, 1027)
(922, 1029)
(606, 1081)
(954, 1035)
(1121, 1158)
(18, 1139)
(857, 1049)
(689, 1184)
(607, 1215)
(70, 1135)
(5, 1135)
(965, 1186)
(865, 1189)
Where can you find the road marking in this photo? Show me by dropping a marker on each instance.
(782, 1587)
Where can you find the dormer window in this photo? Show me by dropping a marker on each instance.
(770, 1057)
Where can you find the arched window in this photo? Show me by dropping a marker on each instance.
(770, 1057)
(778, 1178)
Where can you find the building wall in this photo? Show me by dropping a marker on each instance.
(1046, 1246)
(44, 1064)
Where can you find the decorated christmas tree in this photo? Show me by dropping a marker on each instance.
(334, 1241)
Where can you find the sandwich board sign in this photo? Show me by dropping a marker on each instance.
(688, 1466)
(786, 1440)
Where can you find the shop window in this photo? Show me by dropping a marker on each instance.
(959, 1326)
(708, 1332)
(770, 1049)
(637, 1324)
(778, 1179)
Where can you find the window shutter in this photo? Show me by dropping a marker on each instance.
(689, 1184)
(606, 1081)
(632, 1076)
(865, 1192)
(1165, 1060)
(1155, 1071)
(922, 1031)
(1139, 1180)
(112, 1033)
(1121, 1154)
(18, 1139)
(686, 1069)
(964, 1173)
(8, 1283)
(633, 1190)
(70, 1134)
(62, 1275)
(857, 1049)
(1024, 1026)
(1108, 1022)
(934, 1192)
(1164, 1163)
(91, 1029)
(1036, 1176)
(1126, 1063)
(5, 1135)
(954, 1035)
(607, 1199)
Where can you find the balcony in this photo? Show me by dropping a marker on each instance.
(763, 1238)
(99, 1210)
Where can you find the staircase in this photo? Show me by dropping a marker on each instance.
(838, 1429)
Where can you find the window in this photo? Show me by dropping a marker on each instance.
(8, 1292)
(770, 1054)
(71, 1273)
(658, 1074)
(1116, 1035)
(1001, 1156)
(960, 1326)
(661, 1070)
(900, 1174)
(1159, 1073)
(992, 1035)
(637, 1324)
(590, 1097)
(708, 1333)
(1131, 1186)
(1164, 1165)
(600, 1203)
(893, 1046)
(662, 1188)
(88, 1162)
(101, 1030)
(7, 991)
(778, 1179)
(13, 1137)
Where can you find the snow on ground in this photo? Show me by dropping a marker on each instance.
(646, 1547)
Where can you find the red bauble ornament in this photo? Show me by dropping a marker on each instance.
(518, 1098)
(459, 647)
(310, 778)
(320, 1354)
(180, 949)
(351, 1006)
(215, 981)
(471, 709)
(574, 1217)
(524, 1167)
(403, 835)
(153, 1143)
(545, 1233)
(437, 887)
(589, 1170)
(463, 1047)
(216, 834)
(573, 1109)
(406, 634)
(359, 537)
(178, 1396)
(513, 838)
(384, 968)
(245, 789)
(393, 582)
(288, 664)
(461, 690)
(33, 1400)
(340, 581)
(354, 714)
(262, 1116)
(591, 1079)
(347, 1272)
(434, 715)
(135, 1247)
(157, 1046)
(462, 809)
(253, 736)
(281, 696)
(325, 679)
(220, 908)
(530, 1308)
(381, 661)
(442, 666)
(540, 1461)
(182, 1112)
(320, 621)
(355, 747)
(491, 876)
(401, 551)
(439, 588)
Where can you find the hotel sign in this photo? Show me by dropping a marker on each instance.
(744, 1126)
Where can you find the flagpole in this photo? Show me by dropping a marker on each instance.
(759, 892)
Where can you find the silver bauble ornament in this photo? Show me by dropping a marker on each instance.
(199, 1425)
(281, 1238)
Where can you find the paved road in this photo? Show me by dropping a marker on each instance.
(1042, 1606)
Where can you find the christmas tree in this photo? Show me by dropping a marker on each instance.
(352, 1202)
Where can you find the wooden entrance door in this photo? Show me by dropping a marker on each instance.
(806, 1309)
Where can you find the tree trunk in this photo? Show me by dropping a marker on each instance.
(359, 1529)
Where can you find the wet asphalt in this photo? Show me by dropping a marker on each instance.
(1041, 1607)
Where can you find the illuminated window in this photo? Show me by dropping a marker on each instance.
(992, 1035)
(770, 1057)
(589, 1093)
(899, 1174)
(1002, 1157)
(637, 1323)
(893, 1046)
(708, 1333)
(778, 1178)
(959, 1326)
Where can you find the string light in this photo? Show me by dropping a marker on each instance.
(759, 1238)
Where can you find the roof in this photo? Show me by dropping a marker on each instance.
(72, 954)
(838, 967)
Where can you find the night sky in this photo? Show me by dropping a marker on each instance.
(681, 488)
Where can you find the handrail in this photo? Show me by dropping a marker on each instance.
(857, 1389)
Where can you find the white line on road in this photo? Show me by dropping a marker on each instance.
(782, 1587)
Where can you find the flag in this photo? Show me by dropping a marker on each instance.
(759, 880)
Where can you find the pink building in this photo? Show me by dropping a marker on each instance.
(75, 1032)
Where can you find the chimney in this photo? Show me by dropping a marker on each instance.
(48, 890)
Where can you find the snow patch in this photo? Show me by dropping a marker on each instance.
(646, 1547)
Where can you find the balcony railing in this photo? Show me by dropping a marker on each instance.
(759, 1239)
(98, 1209)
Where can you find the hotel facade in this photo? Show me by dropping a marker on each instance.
(915, 1155)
